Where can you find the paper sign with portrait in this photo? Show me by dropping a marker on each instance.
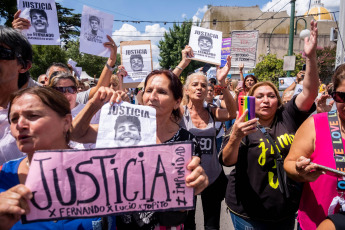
(243, 48)
(95, 26)
(126, 124)
(136, 57)
(98, 182)
(206, 45)
(44, 29)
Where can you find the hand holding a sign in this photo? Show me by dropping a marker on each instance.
(113, 50)
(13, 204)
(187, 53)
(198, 178)
(20, 23)
(321, 104)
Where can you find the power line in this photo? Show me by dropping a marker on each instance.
(273, 15)
(237, 20)
(261, 14)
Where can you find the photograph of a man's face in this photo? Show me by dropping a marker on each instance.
(127, 131)
(39, 20)
(137, 63)
(205, 43)
(94, 24)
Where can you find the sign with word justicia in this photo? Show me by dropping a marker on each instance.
(99, 182)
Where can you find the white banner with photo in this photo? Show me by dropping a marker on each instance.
(243, 48)
(285, 82)
(95, 26)
(42, 14)
(126, 124)
(136, 57)
(206, 45)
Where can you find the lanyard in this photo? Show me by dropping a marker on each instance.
(338, 150)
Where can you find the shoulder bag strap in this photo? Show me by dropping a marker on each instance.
(280, 163)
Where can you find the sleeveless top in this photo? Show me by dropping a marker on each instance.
(207, 143)
(318, 195)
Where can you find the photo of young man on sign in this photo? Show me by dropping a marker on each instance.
(127, 131)
(39, 20)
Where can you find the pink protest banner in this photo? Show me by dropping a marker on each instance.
(99, 182)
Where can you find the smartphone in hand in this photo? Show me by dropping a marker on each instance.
(330, 171)
(246, 102)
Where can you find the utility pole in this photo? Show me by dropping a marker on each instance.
(291, 33)
(341, 35)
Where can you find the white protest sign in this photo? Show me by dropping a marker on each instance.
(136, 57)
(95, 26)
(285, 82)
(243, 48)
(206, 44)
(44, 29)
(126, 124)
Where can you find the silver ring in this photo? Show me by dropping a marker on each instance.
(113, 45)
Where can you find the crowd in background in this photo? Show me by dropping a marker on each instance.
(60, 112)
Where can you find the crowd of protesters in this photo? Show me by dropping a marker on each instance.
(60, 112)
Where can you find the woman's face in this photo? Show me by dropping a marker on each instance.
(35, 126)
(71, 97)
(210, 93)
(158, 95)
(266, 102)
(197, 87)
(341, 106)
(114, 85)
(249, 82)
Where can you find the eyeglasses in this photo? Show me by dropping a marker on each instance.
(68, 89)
(338, 96)
(6, 54)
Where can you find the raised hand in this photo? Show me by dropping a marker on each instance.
(20, 23)
(223, 72)
(310, 43)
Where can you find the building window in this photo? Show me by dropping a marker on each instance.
(214, 22)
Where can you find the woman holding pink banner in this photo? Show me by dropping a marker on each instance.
(40, 119)
(163, 91)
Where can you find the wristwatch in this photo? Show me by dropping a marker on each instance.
(109, 67)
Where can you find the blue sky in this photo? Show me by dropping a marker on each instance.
(171, 11)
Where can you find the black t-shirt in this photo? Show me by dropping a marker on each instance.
(338, 220)
(148, 220)
(253, 190)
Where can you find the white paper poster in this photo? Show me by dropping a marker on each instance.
(136, 57)
(243, 48)
(126, 124)
(44, 29)
(95, 26)
(206, 45)
(285, 82)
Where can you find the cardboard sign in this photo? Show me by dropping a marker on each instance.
(126, 124)
(136, 57)
(42, 14)
(226, 44)
(206, 44)
(243, 48)
(95, 26)
(99, 182)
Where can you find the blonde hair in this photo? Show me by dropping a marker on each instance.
(234, 84)
(55, 80)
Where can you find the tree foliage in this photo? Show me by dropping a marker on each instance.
(172, 45)
(44, 56)
(326, 62)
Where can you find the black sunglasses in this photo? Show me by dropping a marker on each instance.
(69, 89)
(338, 96)
(6, 54)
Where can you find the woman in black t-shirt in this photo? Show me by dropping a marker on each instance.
(253, 194)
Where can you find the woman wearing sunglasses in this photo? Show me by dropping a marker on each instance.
(68, 85)
(313, 144)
